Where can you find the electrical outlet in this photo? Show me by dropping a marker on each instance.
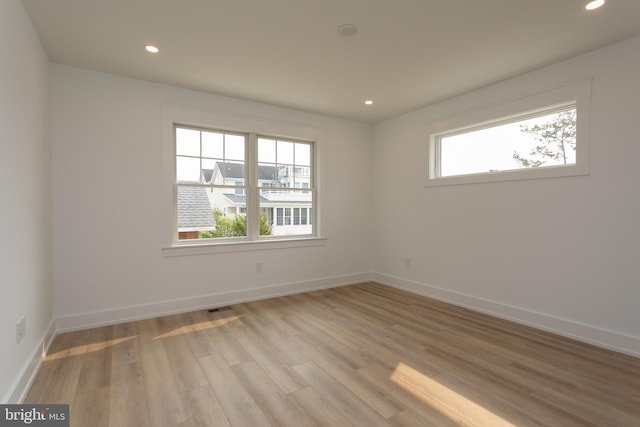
(407, 262)
(21, 329)
(258, 267)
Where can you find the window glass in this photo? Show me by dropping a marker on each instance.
(188, 169)
(541, 135)
(234, 147)
(215, 160)
(285, 152)
(212, 145)
(212, 183)
(544, 139)
(303, 154)
(187, 142)
(284, 170)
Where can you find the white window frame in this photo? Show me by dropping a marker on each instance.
(184, 116)
(578, 93)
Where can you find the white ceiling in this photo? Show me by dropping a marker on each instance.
(406, 54)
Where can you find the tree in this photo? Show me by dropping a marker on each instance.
(265, 227)
(239, 226)
(555, 140)
(236, 227)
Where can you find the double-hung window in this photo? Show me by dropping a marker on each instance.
(240, 183)
(234, 186)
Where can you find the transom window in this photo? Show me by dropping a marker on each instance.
(539, 136)
(532, 140)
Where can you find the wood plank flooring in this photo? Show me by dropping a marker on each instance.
(362, 355)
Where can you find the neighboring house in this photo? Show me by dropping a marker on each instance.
(288, 212)
(194, 212)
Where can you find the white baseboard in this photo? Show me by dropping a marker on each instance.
(590, 334)
(23, 381)
(125, 314)
(601, 337)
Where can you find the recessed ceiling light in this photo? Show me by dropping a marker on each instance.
(347, 29)
(368, 102)
(151, 48)
(594, 4)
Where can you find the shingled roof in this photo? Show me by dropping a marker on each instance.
(241, 200)
(194, 210)
(236, 170)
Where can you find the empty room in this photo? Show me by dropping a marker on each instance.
(305, 213)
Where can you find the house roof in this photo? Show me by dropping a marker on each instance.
(241, 200)
(236, 170)
(208, 174)
(194, 210)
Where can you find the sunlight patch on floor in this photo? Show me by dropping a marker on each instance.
(198, 327)
(453, 405)
(87, 348)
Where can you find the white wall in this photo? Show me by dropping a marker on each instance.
(25, 213)
(110, 203)
(559, 253)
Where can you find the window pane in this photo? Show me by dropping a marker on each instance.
(303, 154)
(284, 164)
(231, 172)
(187, 169)
(212, 212)
(546, 140)
(285, 152)
(208, 166)
(212, 145)
(302, 177)
(194, 212)
(239, 187)
(187, 142)
(292, 210)
(267, 175)
(234, 147)
(266, 221)
(266, 150)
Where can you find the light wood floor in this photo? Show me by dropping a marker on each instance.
(363, 355)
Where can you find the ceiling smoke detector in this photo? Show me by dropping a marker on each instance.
(347, 30)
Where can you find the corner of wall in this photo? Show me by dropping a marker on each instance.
(586, 333)
(20, 387)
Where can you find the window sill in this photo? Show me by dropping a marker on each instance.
(188, 249)
(513, 175)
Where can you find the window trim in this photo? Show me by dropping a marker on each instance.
(578, 93)
(241, 246)
(184, 116)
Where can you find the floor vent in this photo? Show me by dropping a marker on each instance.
(215, 310)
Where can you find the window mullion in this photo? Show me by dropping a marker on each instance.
(253, 192)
